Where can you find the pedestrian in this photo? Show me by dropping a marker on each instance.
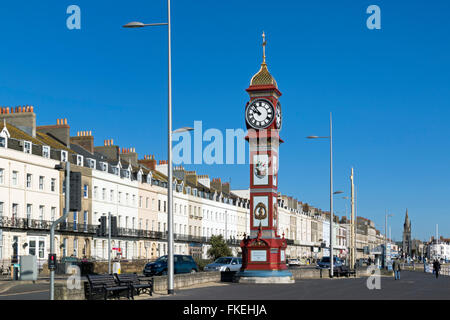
(397, 269)
(436, 267)
(369, 261)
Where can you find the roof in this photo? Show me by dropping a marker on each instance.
(263, 77)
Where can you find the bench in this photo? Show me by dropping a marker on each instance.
(345, 271)
(137, 286)
(106, 286)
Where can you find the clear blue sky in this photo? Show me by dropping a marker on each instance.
(388, 89)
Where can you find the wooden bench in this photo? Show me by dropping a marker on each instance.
(137, 286)
(106, 286)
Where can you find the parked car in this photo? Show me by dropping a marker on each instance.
(293, 262)
(225, 264)
(182, 264)
(324, 263)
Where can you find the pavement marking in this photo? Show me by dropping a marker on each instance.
(21, 293)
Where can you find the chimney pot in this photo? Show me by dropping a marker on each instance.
(57, 122)
(31, 109)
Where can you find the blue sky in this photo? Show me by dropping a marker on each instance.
(388, 89)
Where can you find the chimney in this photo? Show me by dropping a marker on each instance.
(226, 187)
(60, 131)
(109, 150)
(216, 184)
(23, 118)
(191, 176)
(85, 140)
(130, 156)
(204, 180)
(149, 162)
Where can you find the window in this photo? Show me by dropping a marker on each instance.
(79, 160)
(91, 163)
(164, 206)
(46, 151)
(1, 209)
(134, 200)
(2, 172)
(15, 178)
(29, 212)
(75, 220)
(41, 249)
(15, 210)
(63, 156)
(53, 184)
(28, 180)
(159, 205)
(3, 142)
(104, 194)
(120, 197)
(146, 203)
(104, 166)
(95, 192)
(116, 170)
(111, 195)
(127, 174)
(53, 213)
(32, 248)
(75, 247)
(41, 183)
(85, 191)
(127, 198)
(139, 176)
(64, 247)
(41, 213)
(27, 147)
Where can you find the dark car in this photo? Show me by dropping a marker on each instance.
(324, 263)
(182, 264)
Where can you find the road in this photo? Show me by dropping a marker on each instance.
(412, 286)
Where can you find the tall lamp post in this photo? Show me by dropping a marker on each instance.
(170, 266)
(330, 137)
(385, 237)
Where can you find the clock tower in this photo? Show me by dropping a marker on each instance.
(264, 250)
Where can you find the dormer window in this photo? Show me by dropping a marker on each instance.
(91, 163)
(127, 174)
(194, 192)
(79, 160)
(104, 166)
(116, 170)
(139, 177)
(188, 190)
(2, 142)
(63, 156)
(27, 147)
(149, 178)
(46, 152)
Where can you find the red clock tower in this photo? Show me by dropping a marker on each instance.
(264, 250)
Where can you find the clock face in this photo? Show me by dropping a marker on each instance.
(278, 116)
(260, 113)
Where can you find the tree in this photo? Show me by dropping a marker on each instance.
(218, 248)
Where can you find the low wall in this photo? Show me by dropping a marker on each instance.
(102, 267)
(185, 280)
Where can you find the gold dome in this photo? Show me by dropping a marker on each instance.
(263, 77)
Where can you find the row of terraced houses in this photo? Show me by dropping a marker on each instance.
(115, 181)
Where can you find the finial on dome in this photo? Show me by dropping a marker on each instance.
(264, 47)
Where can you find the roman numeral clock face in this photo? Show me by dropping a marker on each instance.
(259, 113)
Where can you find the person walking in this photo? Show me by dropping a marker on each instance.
(397, 269)
(436, 267)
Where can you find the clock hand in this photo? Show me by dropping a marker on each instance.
(254, 109)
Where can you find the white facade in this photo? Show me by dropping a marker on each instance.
(29, 193)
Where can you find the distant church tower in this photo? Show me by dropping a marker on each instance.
(406, 247)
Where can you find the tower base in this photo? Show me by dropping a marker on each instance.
(264, 276)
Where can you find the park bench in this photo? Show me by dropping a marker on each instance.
(137, 286)
(106, 286)
(345, 271)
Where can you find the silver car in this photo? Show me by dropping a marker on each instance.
(225, 264)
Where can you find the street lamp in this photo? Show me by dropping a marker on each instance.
(385, 237)
(170, 265)
(330, 137)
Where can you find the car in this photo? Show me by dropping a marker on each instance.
(225, 264)
(182, 264)
(293, 262)
(324, 263)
